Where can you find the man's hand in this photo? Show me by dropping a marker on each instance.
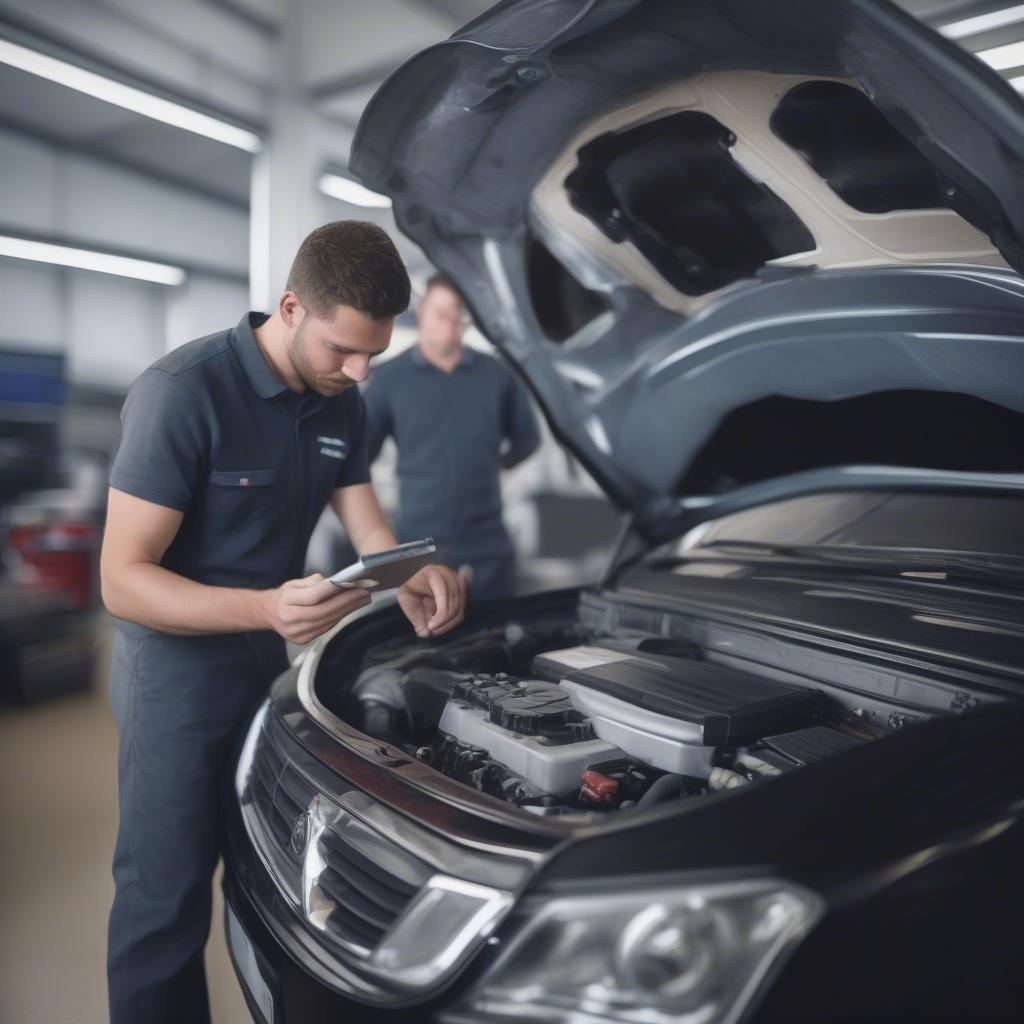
(301, 610)
(434, 600)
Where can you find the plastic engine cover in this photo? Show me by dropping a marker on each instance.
(531, 727)
(673, 712)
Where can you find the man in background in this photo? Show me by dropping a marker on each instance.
(458, 418)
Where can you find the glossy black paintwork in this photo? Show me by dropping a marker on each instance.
(939, 944)
(913, 840)
(978, 628)
(836, 824)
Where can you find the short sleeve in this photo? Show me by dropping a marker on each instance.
(356, 467)
(163, 449)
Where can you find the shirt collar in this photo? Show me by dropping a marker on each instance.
(466, 360)
(257, 370)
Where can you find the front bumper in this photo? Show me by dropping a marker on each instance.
(292, 979)
(294, 972)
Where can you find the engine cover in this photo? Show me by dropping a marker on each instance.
(674, 712)
(531, 727)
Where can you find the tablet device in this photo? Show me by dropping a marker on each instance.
(384, 570)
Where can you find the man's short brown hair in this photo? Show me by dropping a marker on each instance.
(350, 263)
(439, 280)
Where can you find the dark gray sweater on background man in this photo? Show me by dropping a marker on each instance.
(455, 431)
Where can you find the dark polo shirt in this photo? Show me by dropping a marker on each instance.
(454, 431)
(210, 430)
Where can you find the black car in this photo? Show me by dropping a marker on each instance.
(760, 265)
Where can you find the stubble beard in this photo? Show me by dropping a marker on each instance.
(318, 382)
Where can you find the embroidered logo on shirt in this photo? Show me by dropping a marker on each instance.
(332, 447)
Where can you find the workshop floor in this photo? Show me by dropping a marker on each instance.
(58, 817)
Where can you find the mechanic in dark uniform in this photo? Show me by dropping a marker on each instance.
(458, 418)
(232, 445)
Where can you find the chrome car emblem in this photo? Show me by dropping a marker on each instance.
(299, 833)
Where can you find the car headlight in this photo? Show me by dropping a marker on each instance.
(694, 953)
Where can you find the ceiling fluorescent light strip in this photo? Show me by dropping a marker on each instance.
(126, 96)
(983, 22)
(348, 191)
(88, 259)
(1003, 57)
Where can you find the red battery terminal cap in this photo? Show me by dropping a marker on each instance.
(598, 788)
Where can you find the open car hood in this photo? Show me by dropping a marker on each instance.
(738, 250)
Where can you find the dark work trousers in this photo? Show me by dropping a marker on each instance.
(179, 704)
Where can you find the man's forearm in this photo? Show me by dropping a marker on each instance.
(380, 538)
(361, 516)
(153, 596)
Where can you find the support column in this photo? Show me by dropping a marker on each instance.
(283, 206)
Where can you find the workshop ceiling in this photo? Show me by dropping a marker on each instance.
(345, 49)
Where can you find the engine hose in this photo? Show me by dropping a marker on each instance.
(756, 764)
(723, 778)
(665, 788)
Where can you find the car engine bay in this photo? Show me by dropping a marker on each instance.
(558, 718)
